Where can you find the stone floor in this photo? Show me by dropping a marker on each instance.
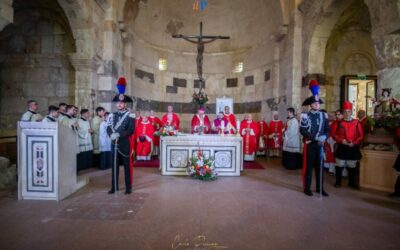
(262, 209)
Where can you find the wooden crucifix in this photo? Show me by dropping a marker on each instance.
(200, 41)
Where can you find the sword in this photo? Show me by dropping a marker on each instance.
(115, 164)
(321, 168)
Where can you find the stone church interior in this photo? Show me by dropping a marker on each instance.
(199, 124)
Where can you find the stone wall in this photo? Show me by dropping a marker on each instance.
(319, 19)
(349, 51)
(34, 64)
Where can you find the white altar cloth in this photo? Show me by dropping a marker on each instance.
(176, 152)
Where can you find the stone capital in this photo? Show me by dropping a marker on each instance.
(82, 63)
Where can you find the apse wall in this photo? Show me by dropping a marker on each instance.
(249, 89)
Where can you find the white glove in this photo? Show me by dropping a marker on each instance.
(114, 136)
(321, 138)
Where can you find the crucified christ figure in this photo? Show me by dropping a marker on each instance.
(200, 41)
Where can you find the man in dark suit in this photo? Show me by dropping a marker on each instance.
(120, 127)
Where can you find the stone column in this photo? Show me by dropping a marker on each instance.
(109, 71)
(6, 13)
(85, 81)
(293, 90)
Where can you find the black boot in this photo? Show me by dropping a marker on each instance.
(396, 193)
(357, 176)
(338, 173)
(351, 172)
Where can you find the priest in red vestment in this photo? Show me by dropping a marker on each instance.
(144, 135)
(171, 119)
(157, 124)
(200, 122)
(231, 126)
(275, 137)
(249, 132)
(262, 139)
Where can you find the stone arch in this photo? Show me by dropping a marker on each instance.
(359, 62)
(349, 50)
(77, 14)
(34, 64)
(324, 20)
(127, 10)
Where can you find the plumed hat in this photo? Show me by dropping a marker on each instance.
(314, 88)
(121, 87)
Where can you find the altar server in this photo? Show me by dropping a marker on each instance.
(120, 127)
(315, 130)
(52, 115)
(144, 134)
(348, 135)
(249, 132)
(157, 124)
(105, 144)
(95, 125)
(68, 120)
(275, 136)
(171, 118)
(85, 155)
(31, 114)
(200, 122)
(291, 155)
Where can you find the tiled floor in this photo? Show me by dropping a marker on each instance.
(262, 209)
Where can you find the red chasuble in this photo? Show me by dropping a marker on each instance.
(263, 129)
(328, 146)
(175, 120)
(275, 139)
(249, 138)
(144, 140)
(232, 120)
(157, 124)
(197, 121)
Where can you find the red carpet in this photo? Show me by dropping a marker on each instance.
(251, 165)
(155, 163)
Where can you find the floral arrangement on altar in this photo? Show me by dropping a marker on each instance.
(200, 98)
(166, 132)
(202, 168)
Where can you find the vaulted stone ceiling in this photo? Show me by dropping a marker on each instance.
(247, 22)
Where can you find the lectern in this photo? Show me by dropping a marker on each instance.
(47, 161)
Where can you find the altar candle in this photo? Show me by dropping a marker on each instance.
(237, 124)
(222, 125)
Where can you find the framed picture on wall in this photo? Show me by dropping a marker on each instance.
(221, 102)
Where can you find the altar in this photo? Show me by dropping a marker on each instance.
(176, 151)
